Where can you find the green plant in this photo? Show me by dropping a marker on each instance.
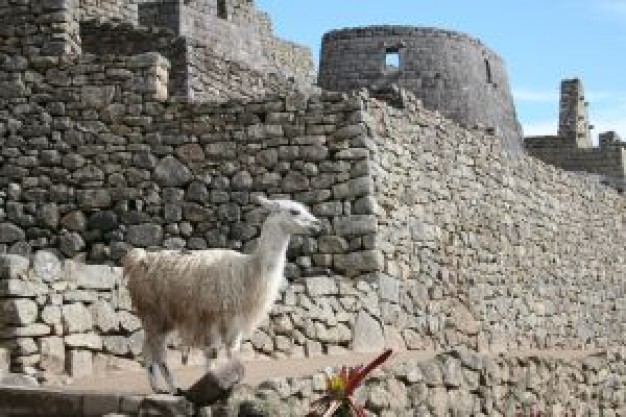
(338, 400)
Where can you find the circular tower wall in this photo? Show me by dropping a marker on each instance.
(449, 71)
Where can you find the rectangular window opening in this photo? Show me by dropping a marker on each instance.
(392, 58)
(222, 9)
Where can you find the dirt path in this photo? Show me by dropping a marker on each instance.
(258, 371)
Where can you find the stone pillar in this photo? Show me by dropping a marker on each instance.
(573, 119)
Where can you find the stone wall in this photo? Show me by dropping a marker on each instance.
(244, 35)
(449, 71)
(455, 383)
(608, 160)
(489, 250)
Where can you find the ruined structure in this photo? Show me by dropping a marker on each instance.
(572, 149)
(449, 71)
(435, 237)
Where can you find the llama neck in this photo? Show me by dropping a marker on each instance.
(272, 248)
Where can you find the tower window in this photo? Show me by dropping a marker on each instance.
(392, 58)
(222, 10)
(488, 71)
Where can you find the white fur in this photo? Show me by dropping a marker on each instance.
(211, 297)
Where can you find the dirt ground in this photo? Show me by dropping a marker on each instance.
(261, 370)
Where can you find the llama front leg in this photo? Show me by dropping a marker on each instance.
(155, 355)
(234, 347)
(210, 355)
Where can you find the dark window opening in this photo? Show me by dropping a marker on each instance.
(222, 10)
(392, 58)
(488, 71)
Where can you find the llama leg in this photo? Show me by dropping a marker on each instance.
(234, 346)
(211, 353)
(161, 360)
(150, 356)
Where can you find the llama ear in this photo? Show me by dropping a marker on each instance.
(267, 204)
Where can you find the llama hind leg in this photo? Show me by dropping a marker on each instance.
(234, 346)
(155, 353)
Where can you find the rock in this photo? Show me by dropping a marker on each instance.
(13, 266)
(97, 96)
(145, 235)
(18, 380)
(104, 316)
(388, 288)
(52, 351)
(18, 312)
(318, 286)
(165, 405)
(103, 220)
(117, 345)
(84, 340)
(75, 221)
(49, 215)
(93, 199)
(92, 277)
(21, 288)
(10, 233)
(80, 364)
(242, 180)
(76, 318)
(46, 266)
(31, 330)
(368, 260)
(170, 172)
(51, 314)
(464, 321)
(332, 244)
(5, 362)
(71, 243)
(216, 385)
(197, 192)
(355, 225)
(368, 334)
(129, 322)
(357, 187)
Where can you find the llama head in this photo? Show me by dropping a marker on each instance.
(293, 217)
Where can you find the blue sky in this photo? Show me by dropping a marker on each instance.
(541, 42)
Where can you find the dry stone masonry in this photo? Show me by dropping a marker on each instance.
(436, 235)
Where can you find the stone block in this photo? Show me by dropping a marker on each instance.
(22, 288)
(369, 260)
(216, 385)
(79, 364)
(52, 350)
(170, 172)
(84, 341)
(357, 187)
(388, 288)
(13, 266)
(18, 311)
(92, 277)
(5, 362)
(46, 266)
(31, 330)
(145, 235)
(76, 318)
(165, 405)
(104, 316)
(319, 286)
(368, 334)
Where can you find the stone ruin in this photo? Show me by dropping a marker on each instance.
(155, 124)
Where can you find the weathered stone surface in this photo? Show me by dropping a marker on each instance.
(84, 341)
(92, 277)
(368, 334)
(5, 362)
(22, 288)
(76, 318)
(80, 364)
(216, 385)
(104, 317)
(46, 266)
(318, 286)
(10, 233)
(160, 404)
(355, 225)
(13, 266)
(129, 322)
(52, 354)
(170, 172)
(18, 311)
(145, 235)
(370, 260)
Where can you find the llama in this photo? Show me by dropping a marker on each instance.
(211, 297)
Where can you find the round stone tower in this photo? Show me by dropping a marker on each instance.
(449, 71)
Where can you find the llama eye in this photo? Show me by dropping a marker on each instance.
(294, 212)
